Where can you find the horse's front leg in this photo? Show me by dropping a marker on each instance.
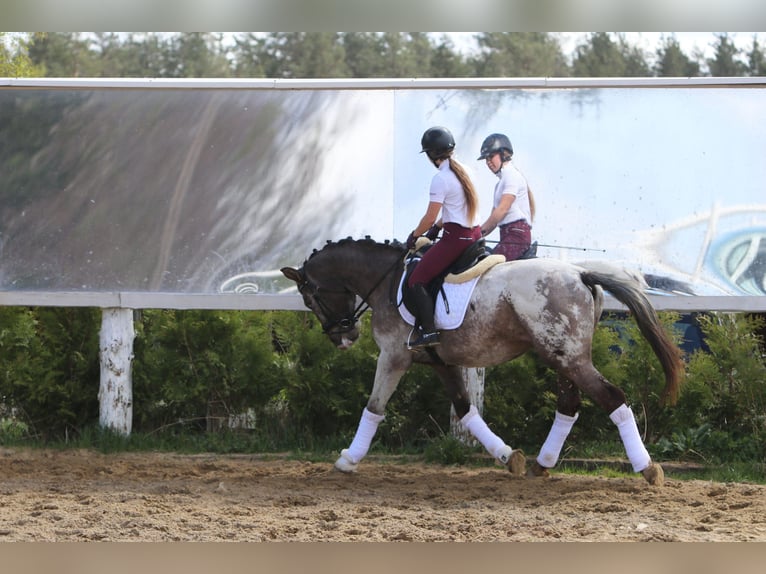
(455, 386)
(388, 373)
(567, 407)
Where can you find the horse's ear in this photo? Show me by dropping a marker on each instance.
(293, 274)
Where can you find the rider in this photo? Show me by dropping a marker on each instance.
(513, 206)
(452, 193)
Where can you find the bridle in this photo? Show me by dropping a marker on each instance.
(347, 322)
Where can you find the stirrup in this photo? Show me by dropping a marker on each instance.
(424, 340)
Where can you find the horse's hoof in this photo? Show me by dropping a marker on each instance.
(537, 471)
(654, 474)
(345, 464)
(517, 463)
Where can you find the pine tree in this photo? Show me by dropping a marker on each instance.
(598, 57)
(519, 54)
(63, 55)
(447, 62)
(248, 55)
(672, 62)
(196, 55)
(363, 51)
(756, 59)
(304, 55)
(634, 58)
(725, 62)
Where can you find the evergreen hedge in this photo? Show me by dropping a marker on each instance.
(196, 371)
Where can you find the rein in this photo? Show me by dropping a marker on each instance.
(346, 323)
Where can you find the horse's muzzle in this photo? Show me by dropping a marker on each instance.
(344, 340)
(345, 343)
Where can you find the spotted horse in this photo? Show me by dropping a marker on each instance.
(544, 305)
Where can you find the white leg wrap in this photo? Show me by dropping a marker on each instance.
(365, 432)
(551, 449)
(634, 446)
(489, 440)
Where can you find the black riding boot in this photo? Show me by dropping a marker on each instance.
(428, 336)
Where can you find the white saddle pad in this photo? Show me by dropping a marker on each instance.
(458, 296)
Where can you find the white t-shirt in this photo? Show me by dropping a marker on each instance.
(511, 181)
(446, 189)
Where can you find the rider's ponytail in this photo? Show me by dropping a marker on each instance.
(471, 197)
(531, 203)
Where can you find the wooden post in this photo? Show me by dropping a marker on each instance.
(115, 393)
(474, 378)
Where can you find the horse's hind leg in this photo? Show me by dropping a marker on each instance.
(634, 446)
(567, 407)
(612, 400)
(454, 385)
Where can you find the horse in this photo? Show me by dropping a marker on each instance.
(545, 305)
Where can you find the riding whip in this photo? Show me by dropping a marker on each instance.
(548, 245)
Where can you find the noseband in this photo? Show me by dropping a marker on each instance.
(347, 322)
(333, 326)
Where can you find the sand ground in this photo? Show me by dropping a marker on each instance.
(87, 496)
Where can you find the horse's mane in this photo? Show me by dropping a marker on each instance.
(394, 246)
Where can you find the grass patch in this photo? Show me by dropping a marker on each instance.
(754, 473)
(612, 468)
(742, 472)
(597, 459)
(447, 450)
(183, 441)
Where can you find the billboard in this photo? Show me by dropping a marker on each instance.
(212, 186)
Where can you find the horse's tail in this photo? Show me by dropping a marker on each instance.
(629, 293)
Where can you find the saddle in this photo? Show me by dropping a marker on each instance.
(472, 263)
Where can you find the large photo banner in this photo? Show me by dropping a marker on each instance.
(669, 181)
(170, 188)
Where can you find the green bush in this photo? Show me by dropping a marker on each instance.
(685, 444)
(193, 369)
(520, 401)
(643, 380)
(323, 390)
(12, 430)
(418, 412)
(199, 367)
(447, 450)
(49, 367)
(726, 387)
(193, 366)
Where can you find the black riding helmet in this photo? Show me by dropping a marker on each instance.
(437, 142)
(494, 143)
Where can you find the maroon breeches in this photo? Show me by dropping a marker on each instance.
(515, 239)
(455, 239)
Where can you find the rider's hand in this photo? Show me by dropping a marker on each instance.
(433, 233)
(411, 240)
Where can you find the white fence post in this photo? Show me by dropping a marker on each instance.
(115, 393)
(474, 378)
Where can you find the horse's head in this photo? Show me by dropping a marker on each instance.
(333, 304)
